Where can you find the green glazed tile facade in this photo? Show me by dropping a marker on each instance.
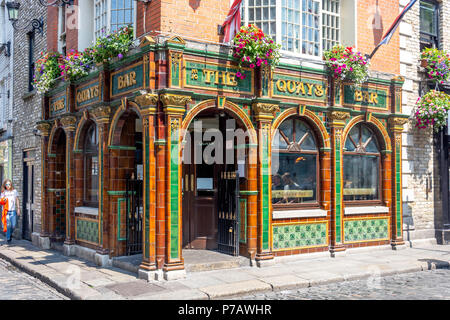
(265, 191)
(338, 189)
(174, 187)
(366, 230)
(398, 187)
(299, 235)
(87, 231)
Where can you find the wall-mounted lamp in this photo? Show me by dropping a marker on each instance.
(7, 47)
(13, 14)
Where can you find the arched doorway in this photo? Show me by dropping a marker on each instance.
(57, 183)
(214, 157)
(127, 175)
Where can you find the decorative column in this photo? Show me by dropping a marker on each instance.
(102, 115)
(264, 114)
(68, 123)
(337, 121)
(252, 202)
(174, 108)
(396, 129)
(44, 240)
(148, 105)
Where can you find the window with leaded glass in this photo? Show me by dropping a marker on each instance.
(306, 27)
(361, 165)
(294, 166)
(90, 161)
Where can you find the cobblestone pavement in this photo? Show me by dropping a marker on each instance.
(431, 284)
(17, 285)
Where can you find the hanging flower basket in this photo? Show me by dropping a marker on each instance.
(76, 65)
(347, 64)
(47, 70)
(432, 110)
(437, 64)
(254, 49)
(113, 45)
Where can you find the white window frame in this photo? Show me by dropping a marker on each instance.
(108, 16)
(278, 37)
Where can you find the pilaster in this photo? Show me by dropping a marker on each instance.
(264, 114)
(148, 104)
(44, 129)
(102, 116)
(174, 106)
(337, 121)
(396, 129)
(68, 123)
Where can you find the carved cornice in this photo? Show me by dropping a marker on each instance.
(174, 103)
(337, 118)
(44, 128)
(265, 111)
(101, 114)
(396, 124)
(68, 122)
(147, 100)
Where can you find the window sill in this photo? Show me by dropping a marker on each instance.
(87, 210)
(306, 213)
(365, 210)
(29, 94)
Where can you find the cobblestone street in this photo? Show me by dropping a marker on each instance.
(425, 285)
(17, 285)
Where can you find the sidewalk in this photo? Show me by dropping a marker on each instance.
(61, 272)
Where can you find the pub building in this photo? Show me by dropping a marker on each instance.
(319, 169)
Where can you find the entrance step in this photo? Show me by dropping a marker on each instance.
(207, 260)
(129, 263)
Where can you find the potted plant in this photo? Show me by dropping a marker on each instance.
(115, 44)
(432, 110)
(254, 49)
(76, 65)
(47, 70)
(436, 63)
(345, 63)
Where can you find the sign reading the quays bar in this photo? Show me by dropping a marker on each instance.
(58, 105)
(286, 85)
(204, 75)
(127, 80)
(88, 94)
(365, 96)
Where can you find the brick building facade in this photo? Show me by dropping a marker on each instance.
(27, 105)
(113, 142)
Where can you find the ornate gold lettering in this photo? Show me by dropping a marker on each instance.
(319, 90)
(281, 85)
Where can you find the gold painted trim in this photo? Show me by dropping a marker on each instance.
(123, 70)
(185, 85)
(100, 94)
(325, 87)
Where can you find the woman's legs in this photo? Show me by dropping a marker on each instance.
(11, 221)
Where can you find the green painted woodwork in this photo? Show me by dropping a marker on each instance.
(265, 190)
(217, 77)
(174, 189)
(122, 148)
(57, 109)
(119, 207)
(90, 88)
(147, 195)
(294, 236)
(291, 86)
(338, 188)
(365, 97)
(398, 186)
(248, 193)
(87, 230)
(366, 230)
(243, 222)
(175, 74)
(100, 191)
(137, 70)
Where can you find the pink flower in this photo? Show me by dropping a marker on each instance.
(252, 65)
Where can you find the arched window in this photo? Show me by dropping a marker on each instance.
(295, 166)
(361, 165)
(90, 159)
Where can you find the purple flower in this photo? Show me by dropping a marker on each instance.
(120, 56)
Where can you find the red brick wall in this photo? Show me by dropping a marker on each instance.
(52, 29)
(374, 18)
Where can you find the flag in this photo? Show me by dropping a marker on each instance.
(233, 21)
(388, 35)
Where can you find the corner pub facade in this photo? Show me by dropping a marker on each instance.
(320, 171)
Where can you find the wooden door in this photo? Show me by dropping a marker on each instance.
(199, 186)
